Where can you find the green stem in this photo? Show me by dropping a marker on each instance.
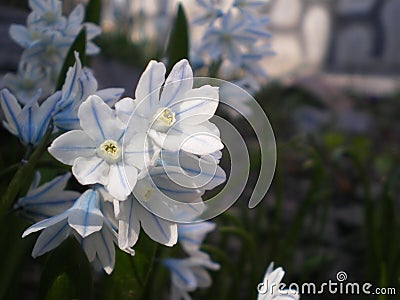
(26, 168)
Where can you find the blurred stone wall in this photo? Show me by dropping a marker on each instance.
(345, 36)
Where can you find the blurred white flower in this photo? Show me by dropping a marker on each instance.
(189, 274)
(269, 288)
(191, 236)
(28, 79)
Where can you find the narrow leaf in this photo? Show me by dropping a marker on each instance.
(93, 11)
(78, 45)
(178, 44)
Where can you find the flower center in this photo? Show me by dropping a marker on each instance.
(110, 151)
(50, 17)
(164, 119)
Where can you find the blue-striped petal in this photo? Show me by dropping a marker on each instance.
(85, 217)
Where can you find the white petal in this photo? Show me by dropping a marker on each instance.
(197, 105)
(125, 108)
(140, 151)
(71, 145)
(158, 229)
(203, 279)
(45, 223)
(98, 120)
(129, 225)
(85, 217)
(110, 95)
(90, 170)
(50, 238)
(69, 88)
(89, 245)
(105, 249)
(20, 35)
(197, 139)
(77, 14)
(148, 89)
(11, 110)
(179, 81)
(121, 180)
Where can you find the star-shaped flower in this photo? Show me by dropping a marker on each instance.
(99, 152)
(173, 114)
(29, 123)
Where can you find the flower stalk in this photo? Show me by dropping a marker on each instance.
(26, 167)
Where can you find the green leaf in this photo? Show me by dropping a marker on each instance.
(93, 11)
(60, 288)
(67, 272)
(13, 253)
(131, 273)
(178, 43)
(79, 45)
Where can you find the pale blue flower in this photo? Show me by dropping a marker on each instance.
(227, 39)
(100, 151)
(191, 236)
(46, 14)
(86, 222)
(173, 113)
(250, 7)
(47, 200)
(207, 12)
(189, 274)
(29, 123)
(28, 79)
(75, 25)
(79, 84)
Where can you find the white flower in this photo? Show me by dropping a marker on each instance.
(178, 117)
(86, 222)
(168, 193)
(74, 26)
(46, 14)
(29, 123)
(48, 199)
(269, 288)
(79, 84)
(99, 152)
(191, 236)
(207, 13)
(228, 38)
(28, 79)
(189, 274)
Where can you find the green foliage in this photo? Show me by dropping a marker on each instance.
(93, 11)
(131, 274)
(67, 273)
(79, 45)
(178, 43)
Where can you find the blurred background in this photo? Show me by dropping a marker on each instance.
(333, 100)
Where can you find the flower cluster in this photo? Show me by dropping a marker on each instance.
(145, 161)
(46, 39)
(233, 40)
